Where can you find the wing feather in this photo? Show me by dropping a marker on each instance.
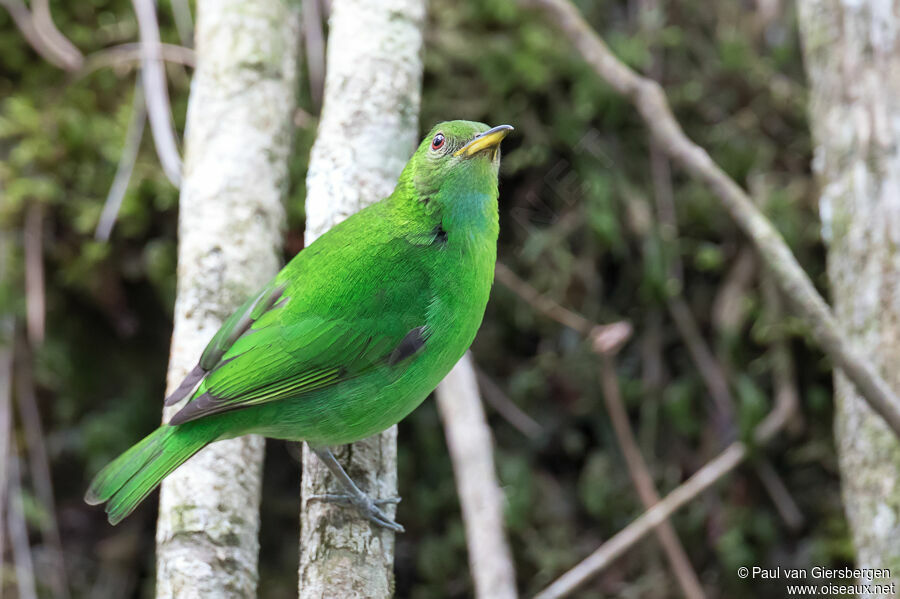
(305, 332)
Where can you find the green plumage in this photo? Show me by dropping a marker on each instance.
(354, 332)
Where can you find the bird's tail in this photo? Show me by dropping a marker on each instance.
(127, 481)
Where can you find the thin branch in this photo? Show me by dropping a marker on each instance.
(712, 372)
(704, 478)
(41, 34)
(622, 541)
(701, 480)
(643, 480)
(784, 371)
(729, 308)
(46, 28)
(542, 303)
(650, 101)
(314, 38)
(157, 94)
(471, 449)
(606, 338)
(506, 407)
(606, 341)
(780, 495)
(35, 301)
(39, 467)
(184, 22)
(6, 355)
(18, 531)
(709, 369)
(133, 53)
(133, 137)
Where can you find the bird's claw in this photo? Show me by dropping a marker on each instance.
(368, 507)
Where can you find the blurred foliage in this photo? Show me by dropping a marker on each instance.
(578, 222)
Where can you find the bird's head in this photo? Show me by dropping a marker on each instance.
(456, 159)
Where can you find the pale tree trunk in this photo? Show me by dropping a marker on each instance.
(852, 52)
(239, 131)
(472, 451)
(367, 132)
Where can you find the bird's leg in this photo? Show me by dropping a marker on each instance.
(354, 496)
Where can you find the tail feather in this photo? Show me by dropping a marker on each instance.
(127, 481)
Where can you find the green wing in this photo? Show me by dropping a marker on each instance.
(277, 362)
(235, 326)
(303, 332)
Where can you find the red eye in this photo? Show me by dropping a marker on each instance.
(438, 142)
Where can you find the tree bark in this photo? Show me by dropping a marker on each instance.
(367, 132)
(239, 131)
(852, 53)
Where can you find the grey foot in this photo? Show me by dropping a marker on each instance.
(368, 507)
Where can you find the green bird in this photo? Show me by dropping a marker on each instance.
(352, 335)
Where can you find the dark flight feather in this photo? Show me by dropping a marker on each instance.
(410, 345)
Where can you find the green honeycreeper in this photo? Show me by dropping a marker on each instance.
(352, 335)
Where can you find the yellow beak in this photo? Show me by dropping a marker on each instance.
(489, 140)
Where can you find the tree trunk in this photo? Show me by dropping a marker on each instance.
(852, 52)
(367, 132)
(239, 131)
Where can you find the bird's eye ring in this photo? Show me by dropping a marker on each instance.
(438, 142)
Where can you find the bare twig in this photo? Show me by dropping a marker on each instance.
(784, 376)
(709, 369)
(39, 31)
(606, 341)
(605, 338)
(766, 12)
(643, 480)
(619, 543)
(650, 101)
(701, 480)
(781, 497)
(713, 375)
(18, 531)
(35, 302)
(133, 52)
(157, 94)
(542, 303)
(126, 165)
(510, 412)
(39, 467)
(704, 478)
(652, 368)
(480, 496)
(184, 22)
(729, 309)
(314, 38)
(46, 28)
(6, 355)
(5, 433)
